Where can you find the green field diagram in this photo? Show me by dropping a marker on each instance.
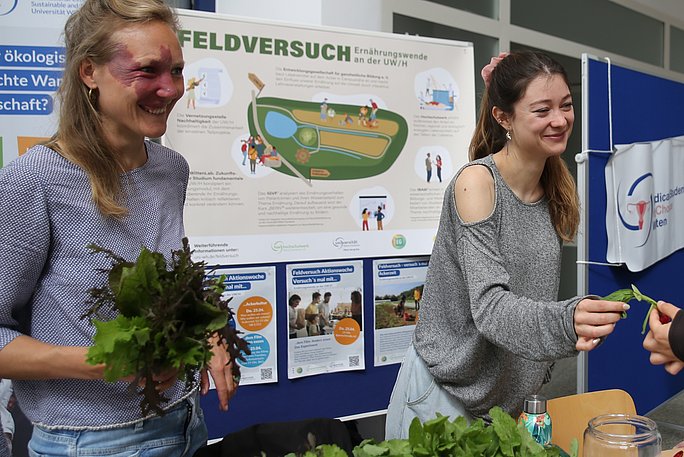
(329, 141)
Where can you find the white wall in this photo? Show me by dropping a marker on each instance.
(376, 15)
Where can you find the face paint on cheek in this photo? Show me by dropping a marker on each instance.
(122, 66)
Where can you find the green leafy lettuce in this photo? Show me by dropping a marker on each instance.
(166, 314)
(441, 437)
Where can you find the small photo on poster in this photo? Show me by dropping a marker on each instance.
(397, 289)
(325, 318)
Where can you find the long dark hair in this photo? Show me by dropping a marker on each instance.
(508, 83)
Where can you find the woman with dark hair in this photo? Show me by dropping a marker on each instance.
(97, 180)
(490, 323)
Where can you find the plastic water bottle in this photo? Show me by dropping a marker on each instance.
(536, 419)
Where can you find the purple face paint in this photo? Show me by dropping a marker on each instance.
(147, 77)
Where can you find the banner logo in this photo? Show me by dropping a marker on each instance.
(346, 245)
(280, 246)
(398, 241)
(7, 6)
(636, 212)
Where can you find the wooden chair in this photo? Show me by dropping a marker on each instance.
(570, 415)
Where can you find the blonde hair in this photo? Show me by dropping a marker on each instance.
(508, 83)
(80, 137)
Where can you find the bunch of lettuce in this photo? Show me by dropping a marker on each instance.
(441, 437)
(167, 311)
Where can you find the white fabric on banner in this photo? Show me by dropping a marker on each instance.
(645, 202)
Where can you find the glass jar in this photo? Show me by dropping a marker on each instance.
(621, 435)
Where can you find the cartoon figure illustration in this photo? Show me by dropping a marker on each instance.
(363, 116)
(428, 166)
(379, 216)
(243, 149)
(331, 113)
(373, 120)
(253, 156)
(260, 148)
(365, 214)
(324, 110)
(438, 163)
(347, 120)
(190, 90)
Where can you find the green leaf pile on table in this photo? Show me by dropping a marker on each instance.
(441, 437)
(166, 314)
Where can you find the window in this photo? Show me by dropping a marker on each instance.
(598, 23)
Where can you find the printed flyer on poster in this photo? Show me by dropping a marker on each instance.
(310, 143)
(31, 65)
(398, 288)
(253, 300)
(325, 318)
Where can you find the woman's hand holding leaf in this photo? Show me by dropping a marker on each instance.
(594, 320)
(657, 340)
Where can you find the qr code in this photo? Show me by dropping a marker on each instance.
(353, 360)
(266, 373)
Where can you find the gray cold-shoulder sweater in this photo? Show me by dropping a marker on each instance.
(490, 325)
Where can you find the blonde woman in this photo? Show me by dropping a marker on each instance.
(98, 180)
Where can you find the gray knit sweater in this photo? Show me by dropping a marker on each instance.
(489, 324)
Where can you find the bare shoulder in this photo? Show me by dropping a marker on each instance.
(474, 193)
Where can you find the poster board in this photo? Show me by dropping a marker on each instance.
(644, 108)
(345, 394)
(310, 143)
(429, 94)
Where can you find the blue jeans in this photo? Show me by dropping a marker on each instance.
(417, 394)
(179, 433)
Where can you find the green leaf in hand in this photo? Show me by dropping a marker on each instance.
(115, 343)
(641, 297)
(625, 295)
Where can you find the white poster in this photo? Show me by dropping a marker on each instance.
(325, 318)
(307, 143)
(31, 65)
(645, 208)
(253, 300)
(397, 288)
